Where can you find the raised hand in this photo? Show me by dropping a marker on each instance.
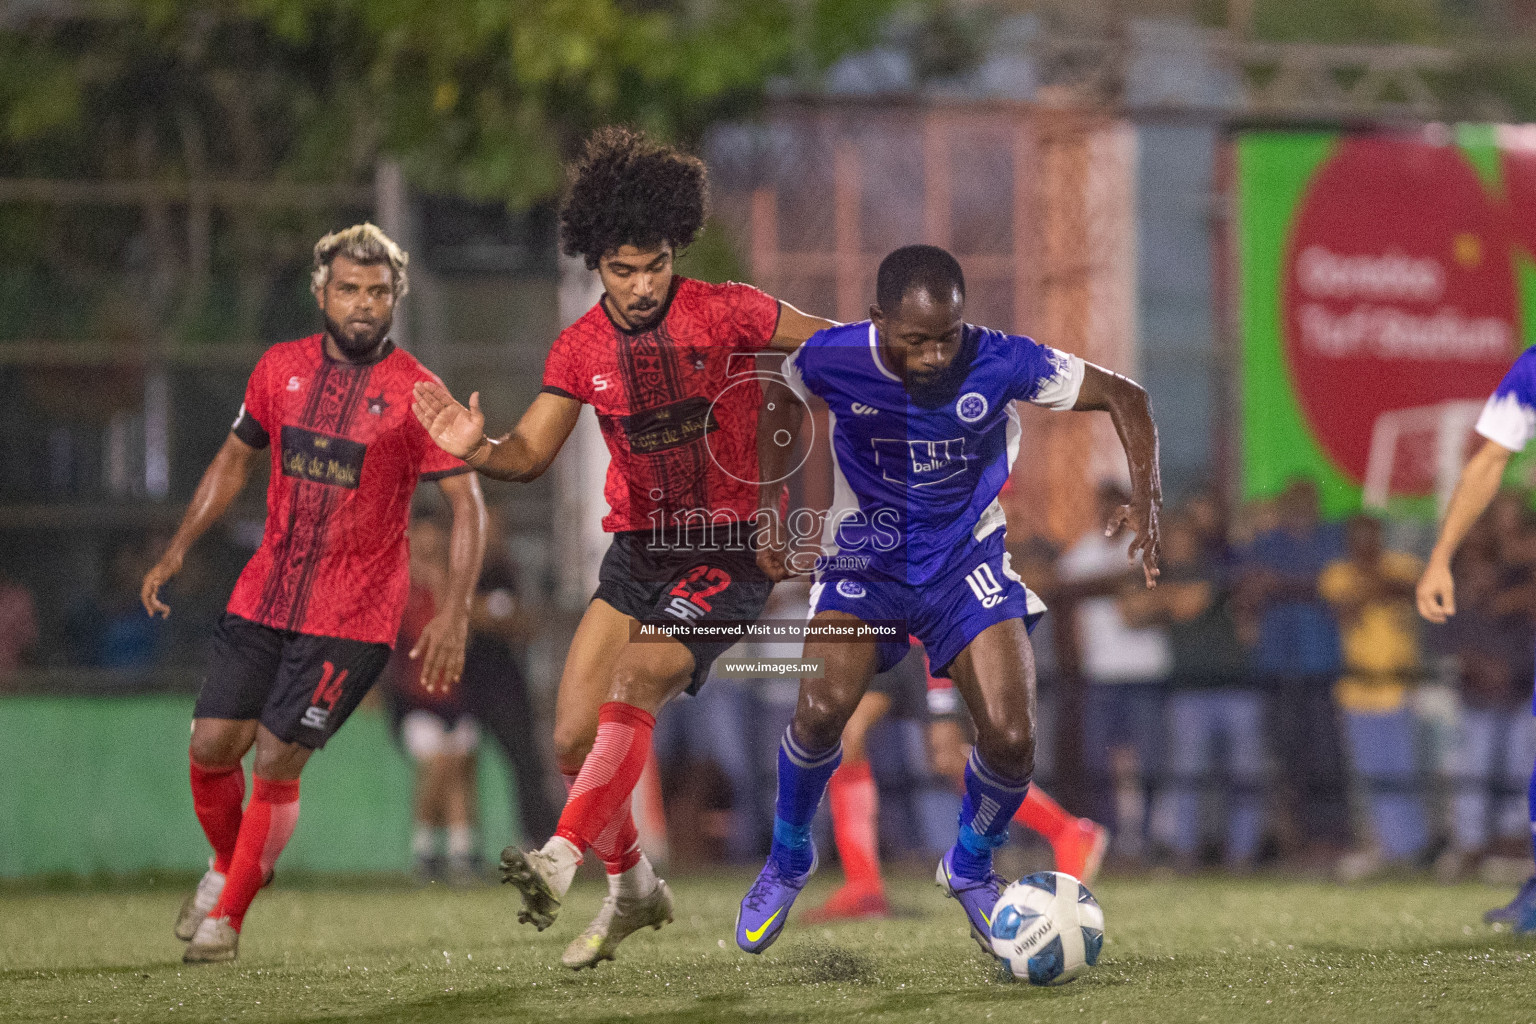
(1141, 516)
(455, 429)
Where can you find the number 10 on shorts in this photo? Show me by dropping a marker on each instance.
(985, 585)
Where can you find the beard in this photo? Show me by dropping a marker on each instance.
(358, 340)
(644, 312)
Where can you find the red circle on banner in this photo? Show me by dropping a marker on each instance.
(1397, 292)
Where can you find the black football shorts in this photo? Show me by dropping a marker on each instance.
(687, 583)
(300, 686)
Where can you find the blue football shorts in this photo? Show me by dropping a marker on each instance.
(978, 590)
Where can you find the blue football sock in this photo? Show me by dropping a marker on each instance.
(803, 776)
(991, 800)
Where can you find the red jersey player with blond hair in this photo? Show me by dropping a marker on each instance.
(666, 362)
(315, 613)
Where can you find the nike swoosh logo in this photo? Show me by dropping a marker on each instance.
(753, 936)
(949, 878)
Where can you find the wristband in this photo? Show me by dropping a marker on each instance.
(483, 444)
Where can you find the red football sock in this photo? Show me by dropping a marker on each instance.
(217, 794)
(1044, 815)
(608, 778)
(619, 844)
(266, 829)
(855, 804)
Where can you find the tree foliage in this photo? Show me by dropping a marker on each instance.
(478, 98)
(481, 97)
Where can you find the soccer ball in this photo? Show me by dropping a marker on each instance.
(1048, 928)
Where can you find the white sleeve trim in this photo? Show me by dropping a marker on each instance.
(1059, 391)
(1507, 421)
(793, 377)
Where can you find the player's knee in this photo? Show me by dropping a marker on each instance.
(1009, 748)
(649, 683)
(572, 745)
(215, 749)
(281, 762)
(820, 720)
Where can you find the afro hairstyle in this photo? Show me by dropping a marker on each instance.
(628, 190)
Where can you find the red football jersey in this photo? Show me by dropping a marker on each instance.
(333, 559)
(678, 412)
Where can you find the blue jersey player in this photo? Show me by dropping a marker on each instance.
(1507, 424)
(924, 434)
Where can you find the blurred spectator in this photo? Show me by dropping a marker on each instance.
(1124, 668)
(436, 730)
(1372, 591)
(1490, 640)
(199, 594)
(495, 689)
(110, 630)
(1296, 659)
(1210, 705)
(713, 788)
(1509, 522)
(1207, 516)
(18, 627)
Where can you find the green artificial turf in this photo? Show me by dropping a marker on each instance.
(1205, 949)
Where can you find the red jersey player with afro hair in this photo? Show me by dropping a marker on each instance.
(666, 363)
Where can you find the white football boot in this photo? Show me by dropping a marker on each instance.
(620, 918)
(197, 906)
(216, 942)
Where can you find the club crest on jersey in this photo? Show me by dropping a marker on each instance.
(376, 404)
(971, 407)
(850, 589)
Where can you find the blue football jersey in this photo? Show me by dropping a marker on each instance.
(916, 476)
(1509, 418)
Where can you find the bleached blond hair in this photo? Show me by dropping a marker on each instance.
(361, 243)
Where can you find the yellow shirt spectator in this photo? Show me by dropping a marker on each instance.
(1377, 627)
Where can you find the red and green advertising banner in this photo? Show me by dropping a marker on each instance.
(1386, 283)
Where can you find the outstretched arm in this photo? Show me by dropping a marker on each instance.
(222, 482)
(1478, 483)
(441, 644)
(522, 455)
(1131, 411)
(795, 328)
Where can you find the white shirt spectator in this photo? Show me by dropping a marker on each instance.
(1112, 651)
